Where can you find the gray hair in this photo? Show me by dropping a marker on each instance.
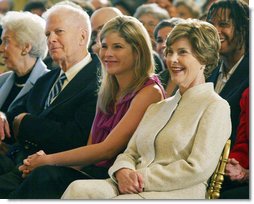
(192, 6)
(27, 28)
(81, 16)
(152, 9)
(172, 22)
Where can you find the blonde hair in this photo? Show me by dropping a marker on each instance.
(135, 34)
(204, 40)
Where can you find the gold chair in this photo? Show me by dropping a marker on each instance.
(217, 178)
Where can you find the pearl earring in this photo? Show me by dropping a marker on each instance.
(23, 53)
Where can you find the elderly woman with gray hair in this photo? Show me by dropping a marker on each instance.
(150, 15)
(23, 48)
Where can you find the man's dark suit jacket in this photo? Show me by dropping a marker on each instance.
(66, 123)
(233, 90)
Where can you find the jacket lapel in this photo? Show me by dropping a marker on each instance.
(166, 111)
(162, 111)
(6, 88)
(38, 70)
(214, 76)
(241, 73)
(77, 84)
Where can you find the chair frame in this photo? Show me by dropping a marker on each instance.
(217, 178)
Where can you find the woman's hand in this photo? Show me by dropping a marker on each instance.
(32, 162)
(236, 172)
(129, 181)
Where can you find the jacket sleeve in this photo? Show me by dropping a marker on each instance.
(59, 133)
(130, 157)
(240, 150)
(213, 130)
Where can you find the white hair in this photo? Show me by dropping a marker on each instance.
(80, 15)
(27, 28)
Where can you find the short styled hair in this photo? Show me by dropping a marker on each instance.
(172, 22)
(27, 28)
(193, 8)
(204, 39)
(152, 9)
(80, 15)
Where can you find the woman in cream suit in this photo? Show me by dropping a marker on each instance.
(177, 145)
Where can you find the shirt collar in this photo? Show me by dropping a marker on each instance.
(72, 71)
(231, 71)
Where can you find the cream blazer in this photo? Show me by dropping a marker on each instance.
(177, 145)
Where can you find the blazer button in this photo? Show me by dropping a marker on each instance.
(26, 146)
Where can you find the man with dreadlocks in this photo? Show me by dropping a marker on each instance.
(231, 78)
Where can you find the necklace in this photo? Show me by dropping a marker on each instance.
(19, 85)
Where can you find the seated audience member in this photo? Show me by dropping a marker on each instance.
(5, 6)
(161, 32)
(187, 9)
(150, 15)
(23, 47)
(98, 19)
(237, 168)
(167, 5)
(60, 107)
(231, 77)
(167, 157)
(97, 4)
(128, 88)
(36, 7)
(127, 7)
(86, 5)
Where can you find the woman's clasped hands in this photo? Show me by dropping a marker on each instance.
(129, 181)
(31, 162)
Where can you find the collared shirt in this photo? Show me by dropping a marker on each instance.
(223, 78)
(74, 70)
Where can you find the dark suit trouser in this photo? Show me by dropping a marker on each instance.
(9, 182)
(48, 182)
(6, 164)
(241, 192)
(13, 158)
(234, 190)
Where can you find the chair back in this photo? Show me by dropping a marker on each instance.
(217, 178)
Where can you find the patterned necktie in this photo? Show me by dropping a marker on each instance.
(56, 89)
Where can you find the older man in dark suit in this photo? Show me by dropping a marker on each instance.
(59, 111)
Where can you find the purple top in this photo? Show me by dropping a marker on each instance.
(104, 123)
